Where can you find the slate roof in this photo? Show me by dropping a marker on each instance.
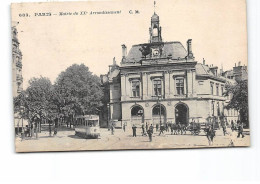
(204, 71)
(175, 49)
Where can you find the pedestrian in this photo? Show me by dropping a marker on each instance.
(210, 133)
(124, 127)
(172, 127)
(55, 126)
(166, 127)
(134, 130)
(151, 128)
(232, 125)
(161, 129)
(157, 127)
(149, 132)
(224, 127)
(32, 130)
(240, 129)
(112, 129)
(146, 126)
(143, 131)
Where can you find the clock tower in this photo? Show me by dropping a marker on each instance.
(155, 29)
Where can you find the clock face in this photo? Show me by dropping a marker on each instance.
(155, 52)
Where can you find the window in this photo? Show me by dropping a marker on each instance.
(155, 31)
(135, 88)
(157, 86)
(222, 91)
(211, 88)
(218, 109)
(217, 89)
(180, 86)
(212, 108)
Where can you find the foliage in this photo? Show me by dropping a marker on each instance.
(239, 98)
(76, 91)
(35, 102)
(79, 90)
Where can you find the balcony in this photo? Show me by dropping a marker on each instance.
(19, 64)
(19, 77)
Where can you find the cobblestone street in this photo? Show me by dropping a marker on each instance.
(66, 140)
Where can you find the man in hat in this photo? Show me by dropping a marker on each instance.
(134, 130)
(240, 129)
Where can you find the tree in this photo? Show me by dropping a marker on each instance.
(36, 101)
(239, 99)
(78, 91)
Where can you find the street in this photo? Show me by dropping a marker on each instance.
(65, 140)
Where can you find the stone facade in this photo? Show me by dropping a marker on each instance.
(16, 63)
(159, 82)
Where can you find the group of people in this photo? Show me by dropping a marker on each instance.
(147, 129)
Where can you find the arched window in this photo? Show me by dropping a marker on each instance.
(155, 30)
(157, 111)
(137, 111)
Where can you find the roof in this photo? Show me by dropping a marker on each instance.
(113, 74)
(204, 71)
(173, 49)
(155, 17)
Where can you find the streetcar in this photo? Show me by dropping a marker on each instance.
(87, 126)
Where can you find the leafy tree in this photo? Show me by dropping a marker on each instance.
(239, 99)
(36, 101)
(78, 91)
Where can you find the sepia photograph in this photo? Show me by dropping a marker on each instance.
(130, 75)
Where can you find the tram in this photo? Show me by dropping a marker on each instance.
(87, 126)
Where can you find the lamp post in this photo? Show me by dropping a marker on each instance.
(108, 116)
(22, 111)
(160, 110)
(213, 112)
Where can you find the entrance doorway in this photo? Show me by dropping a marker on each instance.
(137, 115)
(159, 114)
(182, 114)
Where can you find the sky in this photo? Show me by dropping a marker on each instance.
(50, 44)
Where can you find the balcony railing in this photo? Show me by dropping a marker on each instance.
(19, 64)
(19, 78)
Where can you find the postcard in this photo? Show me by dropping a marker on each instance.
(130, 75)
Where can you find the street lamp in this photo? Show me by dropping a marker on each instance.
(108, 115)
(213, 112)
(22, 111)
(213, 101)
(160, 110)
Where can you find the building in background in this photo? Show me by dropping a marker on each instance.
(237, 73)
(17, 76)
(159, 82)
(16, 62)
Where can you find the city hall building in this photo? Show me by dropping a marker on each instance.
(159, 82)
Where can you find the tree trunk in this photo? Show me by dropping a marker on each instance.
(36, 129)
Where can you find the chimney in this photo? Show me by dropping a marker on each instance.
(239, 63)
(114, 61)
(235, 64)
(204, 61)
(189, 48)
(124, 50)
